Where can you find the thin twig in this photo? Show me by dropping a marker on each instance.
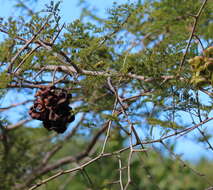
(108, 129)
(129, 170)
(196, 17)
(26, 57)
(114, 153)
(120, 172)
(26, 45)
(55, 38)
(184, 164)
(199, 40)
(14, 105)
(17, 125)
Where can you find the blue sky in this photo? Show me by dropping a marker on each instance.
(69, 12)
(69, 8)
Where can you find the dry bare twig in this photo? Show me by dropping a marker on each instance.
(28, 42)
(196, 17)
(14, 105)
(189, 129)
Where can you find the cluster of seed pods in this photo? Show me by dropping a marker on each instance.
(52, 107)
(202, 68)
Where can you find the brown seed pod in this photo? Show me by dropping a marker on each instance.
(52, 107)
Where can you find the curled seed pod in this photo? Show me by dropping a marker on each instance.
(209, 64)
(52, 107)
(62, 94)
(35, 115)
(53, 116)
(39, 106)
(59, 128)
(38, 93)
(39, 101)
(49, 100)
(69, 96)
(46, 91)
(47, 124)
(62, 101)
(208, 52)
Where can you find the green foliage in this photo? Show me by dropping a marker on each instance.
(166, 124)
(15, 161)
(138, 49)
(202, 68)
(154, 172)
(4, 79)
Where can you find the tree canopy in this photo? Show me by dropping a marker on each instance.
(127, 88)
